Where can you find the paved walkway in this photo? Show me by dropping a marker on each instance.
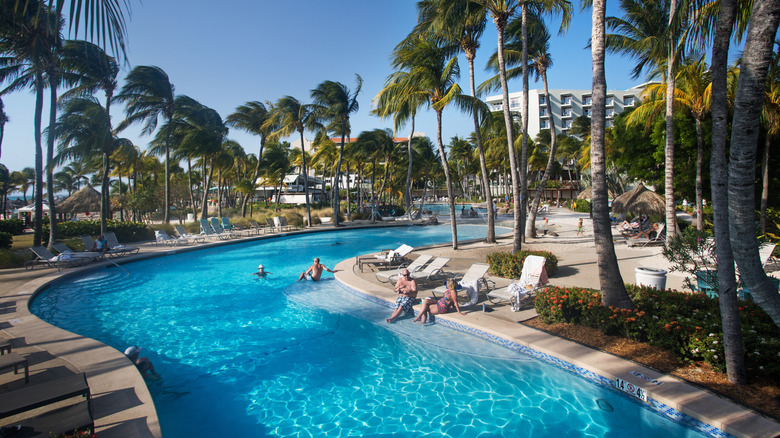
(124, 408)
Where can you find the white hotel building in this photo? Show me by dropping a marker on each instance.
(563, 106)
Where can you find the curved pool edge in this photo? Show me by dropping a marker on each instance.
(672, 398)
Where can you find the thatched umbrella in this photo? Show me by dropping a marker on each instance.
(639, 201)
(588, 193)
(85, 200)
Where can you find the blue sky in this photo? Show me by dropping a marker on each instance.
(244, 50)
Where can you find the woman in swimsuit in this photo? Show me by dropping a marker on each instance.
(445, 305)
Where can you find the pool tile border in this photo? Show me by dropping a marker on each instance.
(652, 404)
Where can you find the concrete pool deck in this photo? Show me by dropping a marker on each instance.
(124, 408)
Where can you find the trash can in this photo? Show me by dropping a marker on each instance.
(652, 277)
(190, 217)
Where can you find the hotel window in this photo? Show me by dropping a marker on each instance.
(497, 107)
(543, 124)
(628, 101)
(565, 112)
(542, 100)
(610, 101)
(586, 112)
(610, 112)
(565, 100)
(566, 124)
(514, 103)
(587, 100)
(542, 112)
(609, 123)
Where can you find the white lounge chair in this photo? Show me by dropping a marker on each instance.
(416, 265)
(765, 251)
(162, 238)
(183, 234)
(659, 238)
(431, 272)
(219, 230)
(470, 282)
(281, 223)
(114, 245)
(521, 291)
(385, 258)
(65, 249)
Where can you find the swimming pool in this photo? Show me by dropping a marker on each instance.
(246, 357)
(444, 209)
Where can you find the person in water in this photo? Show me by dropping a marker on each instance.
(407, 288)
(261, 273)
(315, 271)
(142, 363)
(446, 304)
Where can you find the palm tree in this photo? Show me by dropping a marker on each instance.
(771, 119)
(756, 60)
(335, 103)
(252, 117)
(613, 291)
(148, 95)
(463, 21)
(27, 38)
(3, 120)
(84, 130)
(291, 116)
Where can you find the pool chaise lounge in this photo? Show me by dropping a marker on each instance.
(384, 258)
(414, 266)
(114, 245)
(521, 291)
(111, 252)
(434, 271)
(44, 257)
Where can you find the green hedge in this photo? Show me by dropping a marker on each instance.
(508, 265)
(6, 239)
(687, 324)
(125, 231)
(12, 226)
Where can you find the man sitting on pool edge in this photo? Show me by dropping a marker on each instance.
(407, 287)
(315, 271)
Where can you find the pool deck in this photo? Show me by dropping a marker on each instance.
(123, 406)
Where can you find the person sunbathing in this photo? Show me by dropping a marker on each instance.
(646, 233)
(446, 304)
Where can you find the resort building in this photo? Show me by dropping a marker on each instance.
(563, 106)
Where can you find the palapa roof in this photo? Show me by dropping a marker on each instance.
(588, 193)
(640, 200)
(85, 200)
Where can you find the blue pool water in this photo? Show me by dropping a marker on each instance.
(251, 357)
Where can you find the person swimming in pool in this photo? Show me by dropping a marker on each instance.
(142, 363)
(315, 271)
(261, 272)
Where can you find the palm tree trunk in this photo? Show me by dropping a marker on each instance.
(765, 182)
(510, 140)
(699, 179)
(189, 181)
(448, 177)
(613, 291)
(744, 137)
(336, 204)
(37, 237)
(204, 212)
(727, 286)
(50, 158)
(530, 228)
(167, 203)
(349, 198)
(671, 215)
(219, 192)
(524, 109)
(305, 180)
(409, 172)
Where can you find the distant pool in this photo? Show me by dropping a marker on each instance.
(246, 357)
(444, 209)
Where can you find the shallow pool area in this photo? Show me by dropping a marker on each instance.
(241, 356)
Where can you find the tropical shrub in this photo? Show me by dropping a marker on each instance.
(12, 226)
(687, 324)
(125, 231)
(507, 265)
(13, 259)
(582, 205)
(6, 239)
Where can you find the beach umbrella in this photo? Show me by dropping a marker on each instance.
(85, 200)
(640, 200)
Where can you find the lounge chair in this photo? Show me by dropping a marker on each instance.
(183, 234)
(89, 243)
(765, 251)
(385, 258)
(208, 231)
(226, 225)
(44, 257)
(257, 228)
(521, 291)
(15, 360)
(470, 282)
(65, 249)
(114, 245)
(659, 238)
(431, 272)
(281, 223)
(271, 225)
(414, 266)
(162, 238)
(218, 229)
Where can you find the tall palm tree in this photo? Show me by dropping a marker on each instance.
(291, 116)
(613, 291)
(756, 60)
(335, 103)
(84, 130)
(424, 62)
(27, 37)
(771, 119)
(3, 120)
(148, 94)
(463, 21)
(252, 117)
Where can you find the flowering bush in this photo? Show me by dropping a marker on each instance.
(507, 265)
(684, 323)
